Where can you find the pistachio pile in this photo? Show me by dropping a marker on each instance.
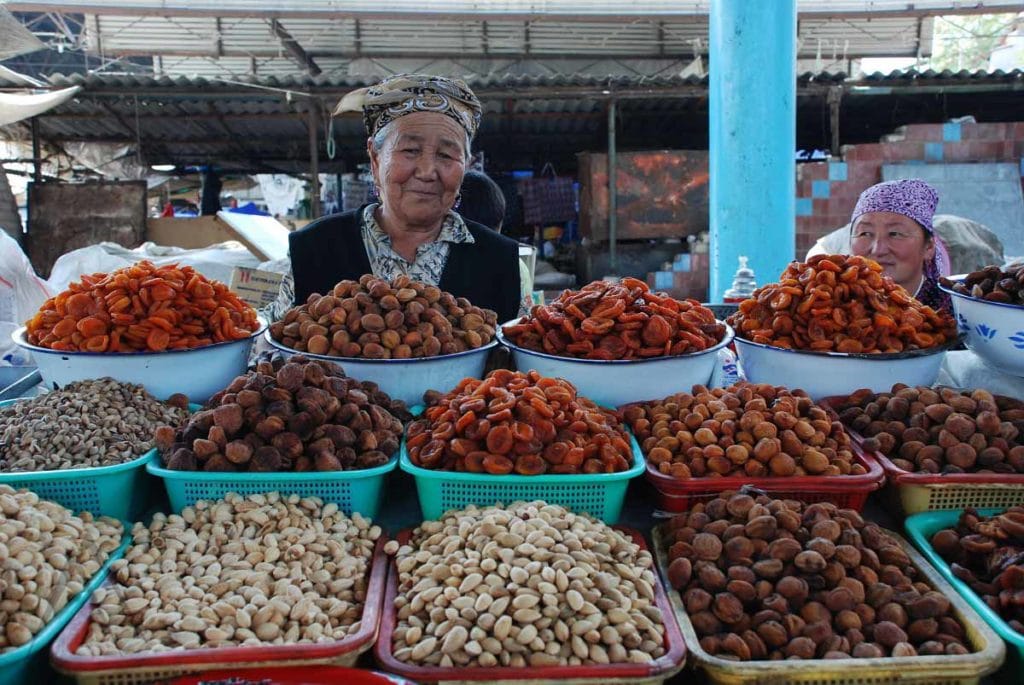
(527, 585)
(765, 578)
(84, 424)
(260, 569)
(47, 556)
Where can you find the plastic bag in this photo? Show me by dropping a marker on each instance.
(215, 261)
(21, 294)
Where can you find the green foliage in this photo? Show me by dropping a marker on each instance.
(966, 41)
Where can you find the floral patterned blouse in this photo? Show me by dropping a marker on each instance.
(430, 257)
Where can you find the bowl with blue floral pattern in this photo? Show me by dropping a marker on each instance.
(992, 330)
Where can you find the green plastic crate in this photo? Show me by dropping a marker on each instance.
(921, 527)
(353, 491)
(601, 495)
(28, 663)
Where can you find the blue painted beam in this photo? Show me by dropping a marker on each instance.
(752, 138)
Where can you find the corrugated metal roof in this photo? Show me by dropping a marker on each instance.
(631, 34)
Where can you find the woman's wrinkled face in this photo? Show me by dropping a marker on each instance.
(419, 168)
(895, 241)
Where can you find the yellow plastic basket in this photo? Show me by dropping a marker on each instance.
(968, 669)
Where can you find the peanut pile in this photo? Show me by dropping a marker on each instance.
(47, 556)
(254, 570)
(746, 429)
(528, 585)
(839, 303)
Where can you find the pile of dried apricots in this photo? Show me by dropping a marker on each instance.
(609, 321)
(141, 308)
(523, 423)
(839, 303)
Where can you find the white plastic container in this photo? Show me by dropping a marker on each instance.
(994, 331)
(197, 373)
(824, 374)
(408, 379)
(617, 382)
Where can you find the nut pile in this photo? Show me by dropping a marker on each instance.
(993, 284)
(776, 579)
(616, 321)
(530, 585)
(254, 570)
(987, 553)
(297, 414)
(375, 319)
(84, 424)
(141, 308)
(939, 430)
(837, 303)
(47, 556)
(518, 422)
(746, 429)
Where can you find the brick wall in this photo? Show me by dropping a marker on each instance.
(826, 192)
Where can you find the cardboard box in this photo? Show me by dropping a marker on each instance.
(256, 287)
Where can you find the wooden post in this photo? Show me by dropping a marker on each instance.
(314, 157)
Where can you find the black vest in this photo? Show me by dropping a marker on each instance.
(331, 249)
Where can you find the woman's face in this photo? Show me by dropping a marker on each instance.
(895, 241)
(419, 169)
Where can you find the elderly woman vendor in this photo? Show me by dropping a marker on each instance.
(892, 224)
(420, 129)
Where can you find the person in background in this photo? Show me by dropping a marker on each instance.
(419, 129)
(482, 201)
(892, 224)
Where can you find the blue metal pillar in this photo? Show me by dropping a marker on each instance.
(752, 138)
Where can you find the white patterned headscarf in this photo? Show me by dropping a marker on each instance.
(403, 94)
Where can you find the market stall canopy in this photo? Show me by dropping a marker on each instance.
(15, 107)
(261, 125)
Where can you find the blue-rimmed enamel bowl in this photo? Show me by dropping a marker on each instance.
(197, 373)
(992, 330)
(824, 374)
(621, 381)
(408, 379)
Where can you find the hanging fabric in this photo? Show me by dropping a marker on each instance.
(548, 198)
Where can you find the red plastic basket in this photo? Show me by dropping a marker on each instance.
(850, 492)
(913, 493)
(655, 672)
(147, 667)
(302, 675)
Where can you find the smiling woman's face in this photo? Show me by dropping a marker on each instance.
(419, 169)
(895, 241)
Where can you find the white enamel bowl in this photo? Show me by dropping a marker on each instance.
(197, 373)
(992, 330)
(408, 379)
(617, 382)
(824, 374)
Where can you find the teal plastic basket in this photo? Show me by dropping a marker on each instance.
(119, 491)
(353, 491)
(29, 663)
(921, 527)
(601, 495)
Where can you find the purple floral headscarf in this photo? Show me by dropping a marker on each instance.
(917, 200)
